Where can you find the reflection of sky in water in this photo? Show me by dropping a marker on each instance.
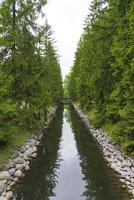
(70, 176)
(69, 166)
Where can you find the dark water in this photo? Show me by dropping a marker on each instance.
(69, 166)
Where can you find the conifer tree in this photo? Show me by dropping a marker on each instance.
(101, 78)
(29, 69)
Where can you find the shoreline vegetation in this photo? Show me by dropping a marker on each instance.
(109, 129)
(20, 158)
(101, 80)
(30, 74)
(117, 160)
(17, 140)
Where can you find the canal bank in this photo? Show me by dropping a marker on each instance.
(121, 163)
(69, 166)
(20, 161)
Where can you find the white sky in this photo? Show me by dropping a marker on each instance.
(67, 18)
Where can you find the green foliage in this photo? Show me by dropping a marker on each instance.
(30, 76)
(102, 77)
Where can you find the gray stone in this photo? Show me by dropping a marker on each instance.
(28, 152)
(3, 194)
(4, 175)
(26, 158)
(34, 149)
(34, 155)
(18, 160)
(12, 171)
(16, 179)
(8, 188)
(18, 174)
(19, 166)
(2, 186)
(15, 155)
(10, 165)
(27, 167)
(9, 195)
(12, 183)
(128, 163)
(132, 180)
(27, 147)
(3, 198)
(22, 149)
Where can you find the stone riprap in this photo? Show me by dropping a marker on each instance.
(20, 161)
(121, 163)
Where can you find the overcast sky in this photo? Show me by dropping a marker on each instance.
(67, 18)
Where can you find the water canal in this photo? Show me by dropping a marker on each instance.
(69, 166)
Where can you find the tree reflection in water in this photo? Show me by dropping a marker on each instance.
(101, 181)
(40, 181)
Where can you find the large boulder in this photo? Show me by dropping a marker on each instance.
(4, 175)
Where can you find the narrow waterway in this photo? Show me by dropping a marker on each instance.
(69, 166)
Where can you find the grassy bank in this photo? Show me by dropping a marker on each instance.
(16, 140)
(7, 150)
(111, 129)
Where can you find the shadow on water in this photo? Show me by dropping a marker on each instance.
(69, 166)
(40, 181)
(101, 181)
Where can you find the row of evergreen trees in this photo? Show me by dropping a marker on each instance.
(30, 76)
(102, 77)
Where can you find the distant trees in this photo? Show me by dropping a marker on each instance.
(30, 76)
(102, 77)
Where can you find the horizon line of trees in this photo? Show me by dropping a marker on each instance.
(30, 74)
(101, 80)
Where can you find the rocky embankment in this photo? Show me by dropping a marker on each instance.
(20, 161)
(122, 164)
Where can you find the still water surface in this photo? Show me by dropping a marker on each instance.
(69, 166)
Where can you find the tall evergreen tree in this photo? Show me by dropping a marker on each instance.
(27, 86)
(101, 78)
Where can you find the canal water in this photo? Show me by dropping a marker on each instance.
(69, 166)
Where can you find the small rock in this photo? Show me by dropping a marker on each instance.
(27, 167)
(22, 149)
(19, 166)
(28, 152)
(34, 155)
(8, 188)
(4, 175)
(34, 149)
(16, 179)
(15, 155)
(2, 186)
(12, 171)
(18, 174)
(3, 198)
(18, 160)
(10, 165)
(12, 183)
(9, 195)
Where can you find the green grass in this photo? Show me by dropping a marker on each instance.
(91, 115)
(7, 150)
(109, 129)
